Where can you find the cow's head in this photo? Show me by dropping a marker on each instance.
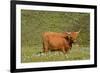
(73, 35)
(69, 38)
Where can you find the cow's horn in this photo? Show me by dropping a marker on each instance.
(68, 32)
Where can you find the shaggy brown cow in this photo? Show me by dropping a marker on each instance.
(53, 41)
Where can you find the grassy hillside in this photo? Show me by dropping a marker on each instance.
(33, 23)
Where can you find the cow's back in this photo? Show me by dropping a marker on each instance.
(46, 34)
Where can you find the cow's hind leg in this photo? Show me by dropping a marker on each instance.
(44, 53)
(45, 48)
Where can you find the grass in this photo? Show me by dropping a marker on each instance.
(30, 54)
(33, 23)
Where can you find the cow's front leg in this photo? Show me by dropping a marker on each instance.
(64, 51)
